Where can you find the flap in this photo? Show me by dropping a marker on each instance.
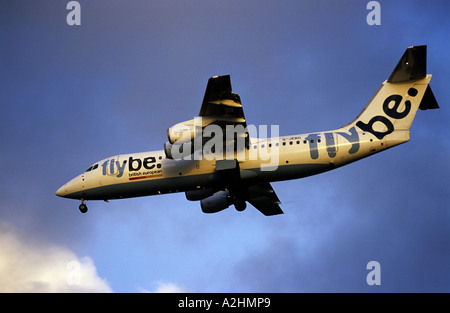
(264, 198)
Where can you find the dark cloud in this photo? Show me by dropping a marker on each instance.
(387, 208)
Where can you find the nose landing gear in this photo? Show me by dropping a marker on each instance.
(83, 207)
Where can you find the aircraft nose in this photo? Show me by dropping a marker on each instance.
(61, 192)
(72, 189)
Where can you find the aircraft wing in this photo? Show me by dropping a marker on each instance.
(221, 106)
(263, 197)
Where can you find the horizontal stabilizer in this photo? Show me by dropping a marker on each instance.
(428, 100)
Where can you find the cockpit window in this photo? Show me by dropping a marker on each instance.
(93, 167)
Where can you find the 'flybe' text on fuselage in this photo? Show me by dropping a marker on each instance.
(116, 168)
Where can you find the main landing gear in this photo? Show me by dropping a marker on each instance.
(83, 207)
(239, 204)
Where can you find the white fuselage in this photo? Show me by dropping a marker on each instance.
(266, 160)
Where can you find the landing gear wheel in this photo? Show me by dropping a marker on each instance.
(240, 205)
(83, 208)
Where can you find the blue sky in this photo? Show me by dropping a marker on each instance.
(71, 95)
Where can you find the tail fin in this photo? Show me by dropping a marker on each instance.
(390, 112)
(412, 65)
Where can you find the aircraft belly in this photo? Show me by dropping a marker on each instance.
(293, 171)
(143, 188)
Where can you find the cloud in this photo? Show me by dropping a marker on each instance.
(29, 266)
(165, 287)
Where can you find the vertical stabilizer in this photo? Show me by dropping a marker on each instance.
(390, 112)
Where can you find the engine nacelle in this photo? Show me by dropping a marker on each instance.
(217, 202)
(178, 151)
(181, 132)
(199, 194)
(168, 150)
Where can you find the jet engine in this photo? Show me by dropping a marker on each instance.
(217, 202)
(177, 150)
(182, 132)
(181, 139)
(199, 194)
(168, 150)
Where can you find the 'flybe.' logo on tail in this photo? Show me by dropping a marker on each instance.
(391, 111)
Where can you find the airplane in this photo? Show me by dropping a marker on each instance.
(215, 158)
